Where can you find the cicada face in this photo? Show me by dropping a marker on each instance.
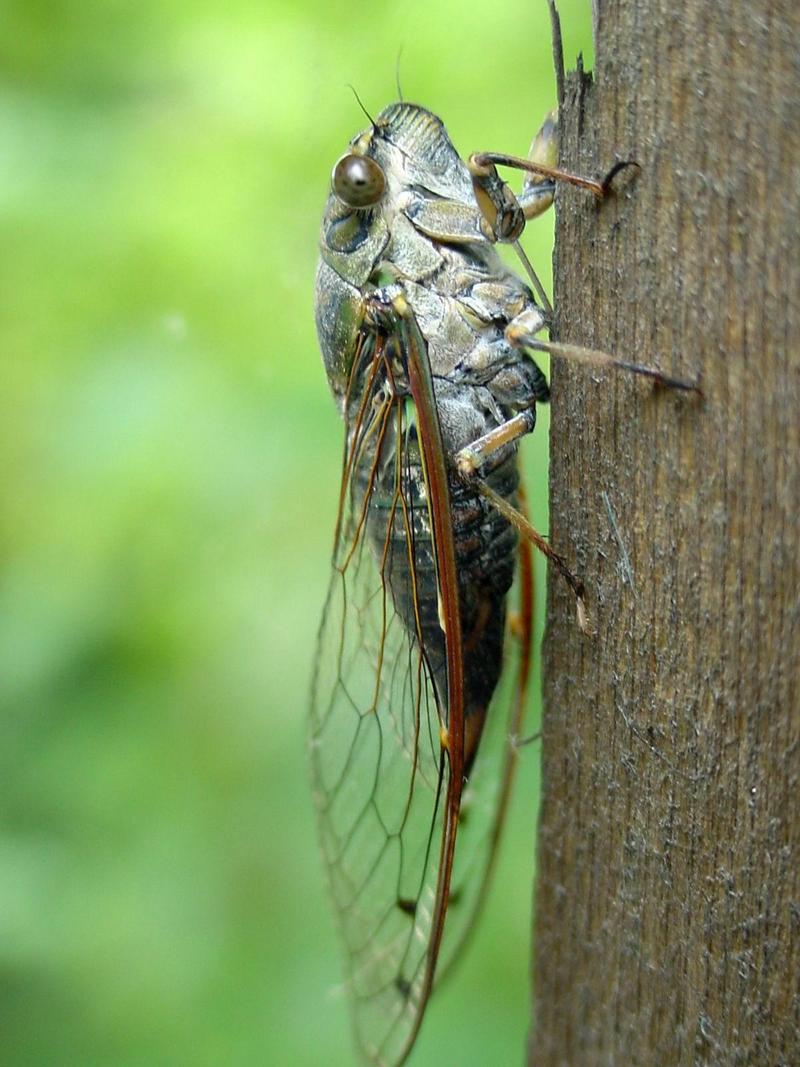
(410, 766)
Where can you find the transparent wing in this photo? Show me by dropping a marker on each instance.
(385, 705)
(486, 792)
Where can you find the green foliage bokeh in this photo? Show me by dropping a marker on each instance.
(171, 462)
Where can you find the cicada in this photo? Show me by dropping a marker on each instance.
(426, 336)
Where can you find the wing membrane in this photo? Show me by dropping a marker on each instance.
(387, 710)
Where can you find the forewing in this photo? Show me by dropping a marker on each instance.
(380, 773)
(386, 738)
(486, 792)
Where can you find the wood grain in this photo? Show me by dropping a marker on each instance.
(668, 895)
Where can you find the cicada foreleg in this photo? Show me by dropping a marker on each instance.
(504, 213)
(504, 216)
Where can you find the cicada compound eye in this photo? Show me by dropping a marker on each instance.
(358, 181)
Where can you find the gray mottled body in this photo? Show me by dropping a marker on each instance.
(425, 238)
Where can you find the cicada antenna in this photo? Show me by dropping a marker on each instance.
(397, 73)
(360, 103)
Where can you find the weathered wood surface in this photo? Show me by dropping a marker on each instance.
(668, 896)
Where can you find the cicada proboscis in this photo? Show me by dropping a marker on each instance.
(426, 337)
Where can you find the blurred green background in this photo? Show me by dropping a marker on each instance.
(170, 474)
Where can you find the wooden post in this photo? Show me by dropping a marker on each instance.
(668, 896)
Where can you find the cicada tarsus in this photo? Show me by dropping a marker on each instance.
(426, 337)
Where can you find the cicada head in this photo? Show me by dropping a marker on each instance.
(405, 154)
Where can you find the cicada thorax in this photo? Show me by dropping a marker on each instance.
(391, 491)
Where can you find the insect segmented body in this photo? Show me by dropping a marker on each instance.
(423, 331)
